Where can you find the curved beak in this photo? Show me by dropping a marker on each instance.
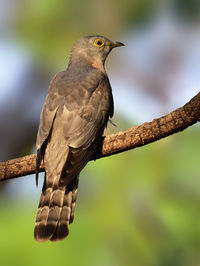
(117, 44)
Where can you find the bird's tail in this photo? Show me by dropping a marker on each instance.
(55, 210)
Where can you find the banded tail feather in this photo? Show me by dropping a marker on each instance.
(55, 211)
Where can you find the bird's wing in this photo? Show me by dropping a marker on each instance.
(90, 118)
(83, 128)
(81, 113)
(51, 104)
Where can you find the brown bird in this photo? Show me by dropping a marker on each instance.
(75, 113)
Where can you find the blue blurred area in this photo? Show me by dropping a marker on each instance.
(136, 208)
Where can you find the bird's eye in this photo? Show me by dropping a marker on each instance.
(99, 42)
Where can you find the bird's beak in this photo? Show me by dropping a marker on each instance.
(117, 44)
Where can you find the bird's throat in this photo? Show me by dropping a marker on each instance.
(99, 66)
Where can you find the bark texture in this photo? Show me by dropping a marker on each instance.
(136, 136)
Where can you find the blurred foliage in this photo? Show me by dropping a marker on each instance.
(50, 26)
(187, 9)
(139, 208)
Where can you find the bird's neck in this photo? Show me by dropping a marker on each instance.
(99, 66)
(85, 61)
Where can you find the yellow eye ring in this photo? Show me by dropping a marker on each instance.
(99, 42)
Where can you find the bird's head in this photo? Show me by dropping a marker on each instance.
(93, 49)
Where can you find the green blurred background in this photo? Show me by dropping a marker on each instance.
(141, 207)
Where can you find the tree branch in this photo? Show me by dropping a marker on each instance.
(136, 136)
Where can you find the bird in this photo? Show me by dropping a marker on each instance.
(75, 113)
